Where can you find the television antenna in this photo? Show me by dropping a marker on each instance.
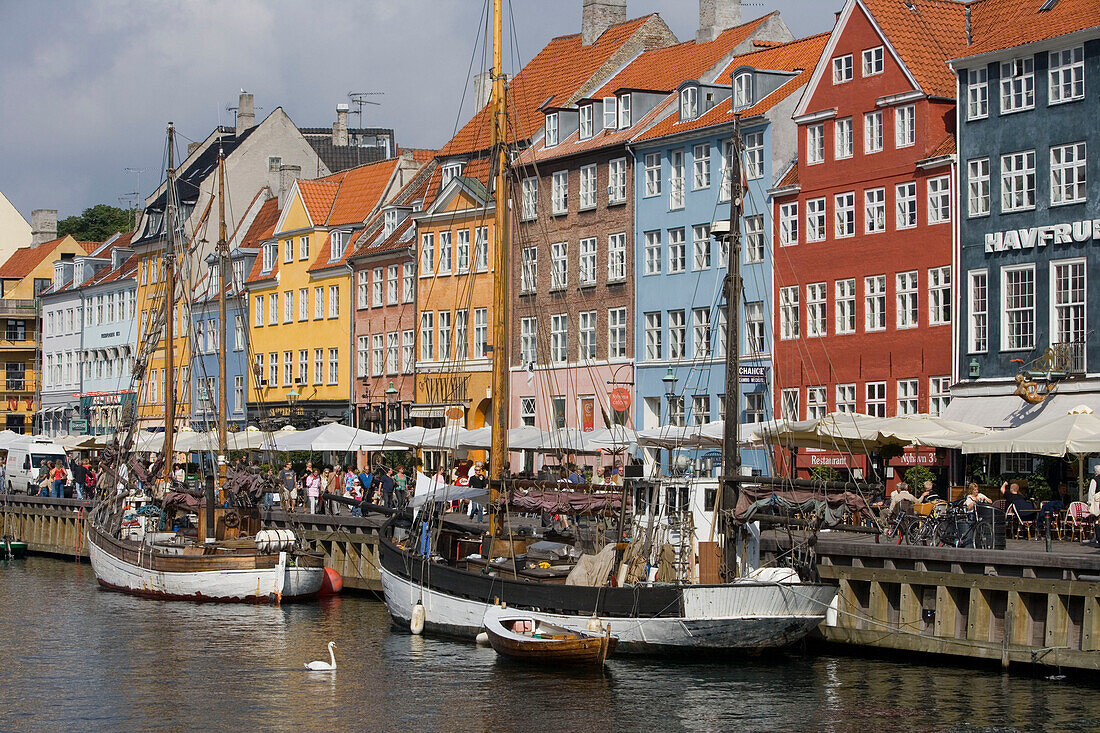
(360, 99)
(131, 199)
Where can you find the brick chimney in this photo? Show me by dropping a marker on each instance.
(340, 127)
(716, 16)
(288, 174)
(599, 15)
(246, 113)
(43, 226)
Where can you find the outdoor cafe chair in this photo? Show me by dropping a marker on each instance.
(1021, 525)
(1076, 519)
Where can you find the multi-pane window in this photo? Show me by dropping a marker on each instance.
(846, 398)
(238, 394)
(977, 187)
(444, 338)
(816, 405)
(616, 257)
(1068, 284)
(906, 209)
(559, 265)
(846, 306)
(408, 281)
(392, 285)
(788, 224)
(462, 340)
(1017, 84)
(318, 366)
(610, 116)
(588, 261)
(1067, 174)
(700, 325)
(444, 267)
(551, 130)
(378, 287)
(273, 309)
(362, 354)
(585, 125)
(529, 269)
(303, 366)
(586, 335)
(652, 253)
(616, 181)
(842, 69)
(1019, 307)
(700, 409)
(1067, 74)
(1018, 181)
(939, 200)
(815, 220)
(816, 313)
(676, 410)
(788, 312)
(875, 399)
(530, 198)
(689, 103)
(288, 368)
(653, 336)
(408, 349)
(872, 61)
(700, 166)
(905, 126)
(742, 90)
(427, 254)
(624, 111)
(559, 332)
(755, 407)
(789, 404)
(481, 332)
(939, 296)
(392, 344)
(527, 411)
(559, 192)
(462, 251)
(842, 142)
(616, 333)
(303, 248)
(288, 250)
(754, 154)
(872, 132)
(588, 187)
(481, 249)
(754, 239)
(427, 336)
(333, 366)
(272, 369)
(288, 306)
(908, 397)
(844, 208)
(677, 334)
(874, 303)
(979, 312)
(238, 333)
(528, 340)
(333, 301)
(362, 289)
(677, 251)
(939, 394)
(977, 94)
(701, 241)
(727, 171)
(754, 327)
(908, 312)
(874, 210)
(815, 143)
(676, 179)
(653, 174)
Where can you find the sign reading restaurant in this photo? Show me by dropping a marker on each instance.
(1031, 237)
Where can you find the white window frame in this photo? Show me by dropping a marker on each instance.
(529, 268)
(754, 154)
(587, 262)
(872, 132)
(653, 336)
(873, 61)
(616, 257)
(874, 210)
(907, 300)
(977, 94)
(905, 126)
(1068, 307)
(653, 252)
(1028, 305)
(905, 205)
(587, 198)
(815, 143)
(978, 312)
(939, 394)
(427, 254)
(1018, 181)
(652, 175)
(846, 397)
(550, 130)
(1068, 174)
(586, 336)
(977, 187)
(939, 296)
(586, 126)
(677, 251)
(874, 303)
(701, 249)
(843, 71)
(789, 316)
(689, 103)
(845, 305)
(788, 224)
(559, 189)
(443, 262)
(815, 220)
(755, 248)
(842, 138)
(616, 333)
(817, 318)
(908, 397)
(530, 194)
(700, 156)
(939, 199)
(875, 399)
(616, 181)
(1066, 75)
(844, 215)
(676, 183)
(559, 338)
(1017, 85)
(559, 265)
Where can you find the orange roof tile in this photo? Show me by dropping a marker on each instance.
(946, 147)
(558, 71)
(263, 225)
(23, 260)
(318, 196)
(360, 192)
(1009, 23)
(790, 178)
(420, 155)
(925, 34)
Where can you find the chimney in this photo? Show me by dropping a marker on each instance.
(599, 15)
(288, 174)
(246, 113)
(340, 127)
(192, 147)
(43, 226)
(483, 89)
(716, 16)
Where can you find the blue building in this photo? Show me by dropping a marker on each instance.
(682, 176)
(1029, 216)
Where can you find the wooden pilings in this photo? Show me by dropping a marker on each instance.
(50, 526)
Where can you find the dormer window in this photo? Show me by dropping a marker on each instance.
(238, 274)
(270, 252)
(551, 129)
(624, 111)
(689, 103)
(215, 277)
(451, 170)
(390, 222)
(339, 242)
(587, 127)
(610, 113)
(58, 275)
(742, 90)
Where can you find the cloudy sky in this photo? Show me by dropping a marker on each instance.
(88, 86)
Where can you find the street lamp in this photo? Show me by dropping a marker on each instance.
(292, 397)
(391, 400)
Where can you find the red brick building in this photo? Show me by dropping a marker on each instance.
(863, 218)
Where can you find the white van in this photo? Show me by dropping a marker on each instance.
(25, 461)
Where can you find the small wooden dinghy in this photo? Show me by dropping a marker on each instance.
(518, 635)
(12, 549)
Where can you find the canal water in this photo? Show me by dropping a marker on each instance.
(75, 658)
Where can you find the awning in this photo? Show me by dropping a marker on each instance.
(1008, 411)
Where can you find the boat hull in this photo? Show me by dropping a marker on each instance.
(240, 579)
(582, 649)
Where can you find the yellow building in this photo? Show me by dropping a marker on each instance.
(300, 295)
(25, 274)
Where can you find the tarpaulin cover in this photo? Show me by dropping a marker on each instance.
(560, 502)
(816, 502)
(593, 569)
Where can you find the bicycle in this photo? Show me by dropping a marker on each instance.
(959, 527)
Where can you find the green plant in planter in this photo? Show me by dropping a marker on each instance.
(916, 476)
(824, 473)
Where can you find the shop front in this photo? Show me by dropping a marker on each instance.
(104, 411)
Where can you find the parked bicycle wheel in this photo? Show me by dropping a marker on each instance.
(915, 534)
(946, 534)
(983, 536)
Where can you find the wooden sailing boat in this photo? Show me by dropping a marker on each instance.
(430, 585)
(127, 547)
(518, 635)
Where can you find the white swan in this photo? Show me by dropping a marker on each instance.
(329, 666)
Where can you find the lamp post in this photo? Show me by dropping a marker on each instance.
(669, 381)
(291, 400)
(391, 400)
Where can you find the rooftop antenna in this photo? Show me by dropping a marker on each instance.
(359, 99)
(133, 198)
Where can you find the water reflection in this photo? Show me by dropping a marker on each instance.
(80, 659)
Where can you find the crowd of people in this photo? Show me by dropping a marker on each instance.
(306, 489)
(57, 478)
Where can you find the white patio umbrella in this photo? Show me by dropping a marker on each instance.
(527, 437)
(1076, 433)
(614, 438)
(854, 432)
(678, 436)
(331, 437)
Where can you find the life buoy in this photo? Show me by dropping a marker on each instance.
(232, 519)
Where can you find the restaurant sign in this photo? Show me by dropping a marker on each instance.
(829, 459)
(752, 374)
(919, 456)
(1031, 237)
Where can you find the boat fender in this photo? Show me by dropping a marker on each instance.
(594, 624)
(331, 584)
(482, 639)
(416, 624)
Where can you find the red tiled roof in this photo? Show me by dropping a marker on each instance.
(800, 55)
(360, 192)
(790, 178)
(420, 155)
(1000, 24)
(662, 69)
(123, 271)
(23, 260)
(417, 188)
(263, 225)
(946, 147)
(926, 34)
(557, 72)
(318, 195)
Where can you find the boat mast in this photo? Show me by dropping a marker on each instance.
(170, 308)
(498, 155)
(731, 437)
(223, 387)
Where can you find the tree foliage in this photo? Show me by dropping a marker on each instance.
(96, 224)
